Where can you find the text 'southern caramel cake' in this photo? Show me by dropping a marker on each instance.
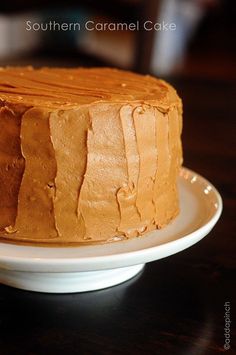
(86, 155)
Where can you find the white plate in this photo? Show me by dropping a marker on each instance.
(86, 268)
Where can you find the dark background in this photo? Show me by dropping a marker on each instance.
(176, 306)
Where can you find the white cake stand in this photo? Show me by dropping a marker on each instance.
(87, 268)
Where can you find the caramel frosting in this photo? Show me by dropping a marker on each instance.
(86, 155)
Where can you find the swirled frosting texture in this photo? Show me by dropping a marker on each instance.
(86, 155)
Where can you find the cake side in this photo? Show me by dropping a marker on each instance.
(11, 162)
(97, 172)
(118, 185)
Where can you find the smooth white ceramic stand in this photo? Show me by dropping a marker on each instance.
(69, 281)
(87, 268)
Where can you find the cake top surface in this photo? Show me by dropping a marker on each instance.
(61, 88)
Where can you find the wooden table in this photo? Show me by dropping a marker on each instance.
(176, 306)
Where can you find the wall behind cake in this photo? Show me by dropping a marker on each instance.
(199, 42)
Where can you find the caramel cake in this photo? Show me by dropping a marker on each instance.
(86, 155)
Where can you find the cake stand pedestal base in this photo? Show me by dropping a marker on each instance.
(68, 282)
